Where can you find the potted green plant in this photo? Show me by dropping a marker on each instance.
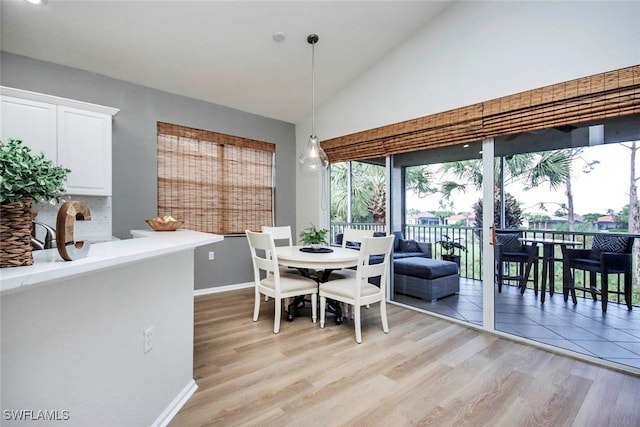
(313, 236)
(25, 178)
(449, 246)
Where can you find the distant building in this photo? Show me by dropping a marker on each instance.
(606, 222)
(552, 222)
(423, 218)
(465, 220)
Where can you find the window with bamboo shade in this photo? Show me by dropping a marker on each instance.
(597, 97)
(216, 183)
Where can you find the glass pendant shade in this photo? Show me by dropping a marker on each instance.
(313, 158)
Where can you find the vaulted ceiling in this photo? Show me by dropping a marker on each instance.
(218, 51)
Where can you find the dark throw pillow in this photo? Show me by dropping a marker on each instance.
(409, 246)
(605, 243)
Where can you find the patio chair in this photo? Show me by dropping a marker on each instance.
(509, 249)
(609, 254)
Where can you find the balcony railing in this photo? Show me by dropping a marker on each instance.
(471, 259)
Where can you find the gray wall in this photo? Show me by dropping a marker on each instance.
(134, 150)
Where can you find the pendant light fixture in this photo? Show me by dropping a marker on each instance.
(313, 158)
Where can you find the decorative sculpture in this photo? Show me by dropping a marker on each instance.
(69, 212)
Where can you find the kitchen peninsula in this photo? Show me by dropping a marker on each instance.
(104, 340)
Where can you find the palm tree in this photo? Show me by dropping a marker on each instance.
(420, 180)
(367, 199)
(634, 208)
(531, 169)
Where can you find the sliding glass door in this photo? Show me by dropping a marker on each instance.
(439, 194)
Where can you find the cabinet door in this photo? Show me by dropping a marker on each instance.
(84, 146)
(32, 122)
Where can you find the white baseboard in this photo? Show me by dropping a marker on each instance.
(170, 411)
(216, 289)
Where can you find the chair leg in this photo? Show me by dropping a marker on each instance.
(276, 320)
(356, 321)
(383, 316)
(346, 310)
(499, 268)
(605, 291)
(522, 283)
(256, 306)
(568, 285)
(628, 285)
(314, 307)
(535, 277)
(592, 284)
(323, 306)
(525, 278)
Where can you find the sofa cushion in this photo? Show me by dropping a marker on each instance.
(425, 268)
(396, 241)
(400, 255)
(408, 246)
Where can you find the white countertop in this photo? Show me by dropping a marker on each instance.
(48, 266)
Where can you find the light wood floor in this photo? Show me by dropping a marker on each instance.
(426, 371)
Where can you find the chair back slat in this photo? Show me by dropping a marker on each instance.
(372, 246)
(354, 235)
(279, 233)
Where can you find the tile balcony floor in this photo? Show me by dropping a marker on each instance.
(582, 328)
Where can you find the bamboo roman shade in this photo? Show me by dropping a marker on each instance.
(216, 183)
(606, 95)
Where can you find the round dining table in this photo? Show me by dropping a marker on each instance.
(339, 257)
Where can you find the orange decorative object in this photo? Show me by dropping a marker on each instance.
(69, 212)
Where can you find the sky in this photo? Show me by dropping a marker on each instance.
(606, 187)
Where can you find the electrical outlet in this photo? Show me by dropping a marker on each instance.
(212, 256)
(148, 339)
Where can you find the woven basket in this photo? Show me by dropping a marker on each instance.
(164, 226)
(15, 234)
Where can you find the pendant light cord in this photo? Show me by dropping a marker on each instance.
(313, 87)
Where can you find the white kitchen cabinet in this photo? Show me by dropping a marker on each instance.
(74, 134)
(32, 122)
(84, 146)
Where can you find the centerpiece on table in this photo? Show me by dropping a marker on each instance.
(25, 179)
(314, 237)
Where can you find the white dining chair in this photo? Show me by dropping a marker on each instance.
(357, 291)
(269, 281)
(352, 236)
(282, 237)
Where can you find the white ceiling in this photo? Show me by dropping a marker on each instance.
(218, 51)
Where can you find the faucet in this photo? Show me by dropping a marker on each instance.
(49, 238)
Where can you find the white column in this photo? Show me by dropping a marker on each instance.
(488, 292)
